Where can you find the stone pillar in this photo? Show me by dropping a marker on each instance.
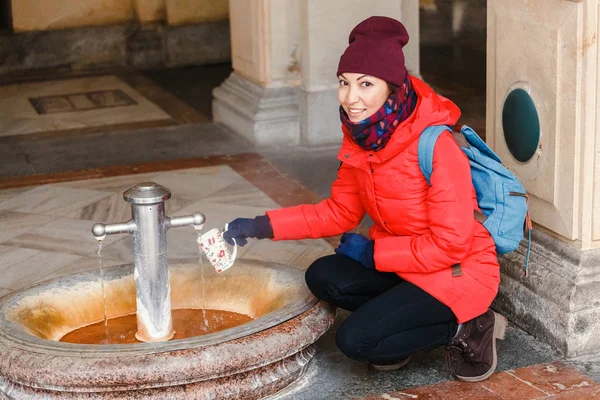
(542, 119)
(283, 90)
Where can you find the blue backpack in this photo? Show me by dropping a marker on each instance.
(501, 197)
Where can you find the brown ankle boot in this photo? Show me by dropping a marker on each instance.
(471, 354)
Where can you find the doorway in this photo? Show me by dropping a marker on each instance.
(5, 16)
(453, 54)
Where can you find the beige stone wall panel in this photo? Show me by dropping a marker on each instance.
(251, 39)
(182, 12)
(540, 46)
(325, 29)
(148, 11)
(286, 47)
(594, 147)
(36, 15)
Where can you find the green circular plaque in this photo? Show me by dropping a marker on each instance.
(521, 125)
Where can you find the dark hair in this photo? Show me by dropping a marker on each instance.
(392, 88)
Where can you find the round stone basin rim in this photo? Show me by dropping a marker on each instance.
(287, 283)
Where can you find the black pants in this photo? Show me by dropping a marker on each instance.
(391, 317)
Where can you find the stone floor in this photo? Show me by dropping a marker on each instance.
(46, 234)
(72, 104)
(55, 184)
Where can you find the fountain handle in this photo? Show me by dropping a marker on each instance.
(196, 220)
(101, 230)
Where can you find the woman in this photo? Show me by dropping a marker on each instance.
(428, 272)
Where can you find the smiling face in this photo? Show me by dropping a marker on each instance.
(361, 95)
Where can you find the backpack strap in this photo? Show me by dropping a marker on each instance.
(425, 153)
(426, 145)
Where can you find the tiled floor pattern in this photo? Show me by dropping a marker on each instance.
(544, 381)
(19, 117)
(46, 234)
(46, 229)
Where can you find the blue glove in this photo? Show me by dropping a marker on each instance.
(358, 248)
(242, 228)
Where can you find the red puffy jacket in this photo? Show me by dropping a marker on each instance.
(419, 231)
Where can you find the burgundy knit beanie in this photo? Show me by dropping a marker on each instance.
(375, 48)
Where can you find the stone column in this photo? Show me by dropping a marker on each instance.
(283, 90)
(542, 120)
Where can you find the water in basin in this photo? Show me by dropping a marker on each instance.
(186, 322)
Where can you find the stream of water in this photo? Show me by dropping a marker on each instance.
(105, 337)
(198, 230)
(100, 241)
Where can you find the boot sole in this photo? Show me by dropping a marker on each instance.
(500, 324)
(391, 367)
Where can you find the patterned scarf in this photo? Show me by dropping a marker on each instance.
(374, 132)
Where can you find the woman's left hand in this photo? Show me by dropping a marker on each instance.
(358, 248)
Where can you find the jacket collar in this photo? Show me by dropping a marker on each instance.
(431, 109)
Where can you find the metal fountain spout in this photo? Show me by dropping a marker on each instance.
(149, 226)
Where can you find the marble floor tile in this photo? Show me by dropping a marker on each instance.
(218, 214)
(114, 209)
(553, 378)
(80, 265)
(243, 193)
(507, 387)
(10, 193)
(52, 200)
(119, 251)
(63, 235)
(55, 221)
(109, 209)
(17, 223)
(20, 268)
(4, 291)
(300, 254)
(10, 256)
(117, 184)
(18, 116)
(175, 206)
(181, 243)
(198, 183)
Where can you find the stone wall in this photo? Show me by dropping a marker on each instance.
(71, 36)
(129, 45)
(35, 15)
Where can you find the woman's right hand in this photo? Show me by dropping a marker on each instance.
(242, 228)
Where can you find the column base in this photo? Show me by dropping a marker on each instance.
(270, 117)
(559, 302)
(265, 116)
(321, 124)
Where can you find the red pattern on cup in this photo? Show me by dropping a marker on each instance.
(217, 251)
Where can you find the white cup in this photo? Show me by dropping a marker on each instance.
(217, 250)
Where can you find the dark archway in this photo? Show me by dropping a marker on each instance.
(453, 54)
(5, 16)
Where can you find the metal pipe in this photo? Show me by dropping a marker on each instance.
(152, 273)
(100, 230)
(195, 219)
(149, 229)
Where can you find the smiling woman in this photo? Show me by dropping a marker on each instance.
(361, 95)
(427, 265)
(371, 108)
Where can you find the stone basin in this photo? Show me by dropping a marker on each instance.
(248, 361)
